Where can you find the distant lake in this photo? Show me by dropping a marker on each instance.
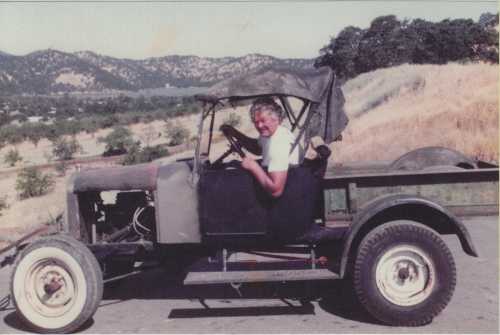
(163, 91)
(173, 91)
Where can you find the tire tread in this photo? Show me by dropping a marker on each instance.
(91, 269)
(375, 237)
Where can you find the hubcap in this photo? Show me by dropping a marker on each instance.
(405, 275)
(50, 288)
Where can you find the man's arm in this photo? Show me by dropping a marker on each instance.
(251, 144)
(273, 183)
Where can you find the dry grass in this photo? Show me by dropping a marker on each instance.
(454, 105)
(29, 214)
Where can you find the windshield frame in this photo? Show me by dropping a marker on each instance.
(211, 105)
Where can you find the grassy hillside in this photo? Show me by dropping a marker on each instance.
(395, 110)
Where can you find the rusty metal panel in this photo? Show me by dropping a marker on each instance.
(336, 200)
(456, 194)
(463, 192)
(134, 177)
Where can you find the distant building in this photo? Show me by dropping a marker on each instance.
(34, 119)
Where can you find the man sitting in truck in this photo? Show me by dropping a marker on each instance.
(274, 144)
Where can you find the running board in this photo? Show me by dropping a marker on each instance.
(221, 277)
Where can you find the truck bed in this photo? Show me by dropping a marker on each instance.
(463, 192)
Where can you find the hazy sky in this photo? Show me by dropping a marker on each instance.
(214, 29)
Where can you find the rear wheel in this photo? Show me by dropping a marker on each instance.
(422, 158)
(404, 274)
(56, 285)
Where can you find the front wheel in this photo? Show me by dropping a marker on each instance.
(56, 285)
(404, 274)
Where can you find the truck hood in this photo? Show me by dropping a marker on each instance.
(135, 177)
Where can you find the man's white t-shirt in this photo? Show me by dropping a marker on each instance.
(276, 150)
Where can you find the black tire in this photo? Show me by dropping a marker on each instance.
(76, 280)
(404, 274)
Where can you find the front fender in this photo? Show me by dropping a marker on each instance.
(395, 204)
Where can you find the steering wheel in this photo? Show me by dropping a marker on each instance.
(234, 146)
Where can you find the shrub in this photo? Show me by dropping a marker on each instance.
(90, 126)
(177, 133)
(137, 155)
(3, 204)
(148, 134)
(233, 120)
(35, 132)
(31, 182)
(12, 157)
(108, 121)
(192, 141)
(132, 155)
(117, 142)
(11, 134)
(61, 168)
(151, 153)
(65, 149)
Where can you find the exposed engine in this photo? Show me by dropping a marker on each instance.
(129, 219)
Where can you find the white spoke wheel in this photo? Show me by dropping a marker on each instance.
(404, 274)
(56, 284)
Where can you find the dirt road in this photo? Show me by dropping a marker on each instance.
(156, 303)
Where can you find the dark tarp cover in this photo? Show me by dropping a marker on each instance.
(316, 85)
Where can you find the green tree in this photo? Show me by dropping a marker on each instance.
(137, 155)
(31, 182)
(90, 126)
(389, 42)
(12, 157)
(117, 142)
(35, 132)
(61, 168)
(342, 52)
(65, 149)
(11, 134)
(176, 132)
(3, 204)
(386, 43)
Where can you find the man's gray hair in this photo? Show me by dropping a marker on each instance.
(266, 104)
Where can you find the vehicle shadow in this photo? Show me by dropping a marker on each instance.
(13, 321)
(334, 297)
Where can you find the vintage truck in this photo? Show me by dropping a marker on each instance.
(377, 226)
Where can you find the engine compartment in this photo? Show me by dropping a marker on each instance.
(124, 216)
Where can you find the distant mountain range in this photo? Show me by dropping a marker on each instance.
(52, 71)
